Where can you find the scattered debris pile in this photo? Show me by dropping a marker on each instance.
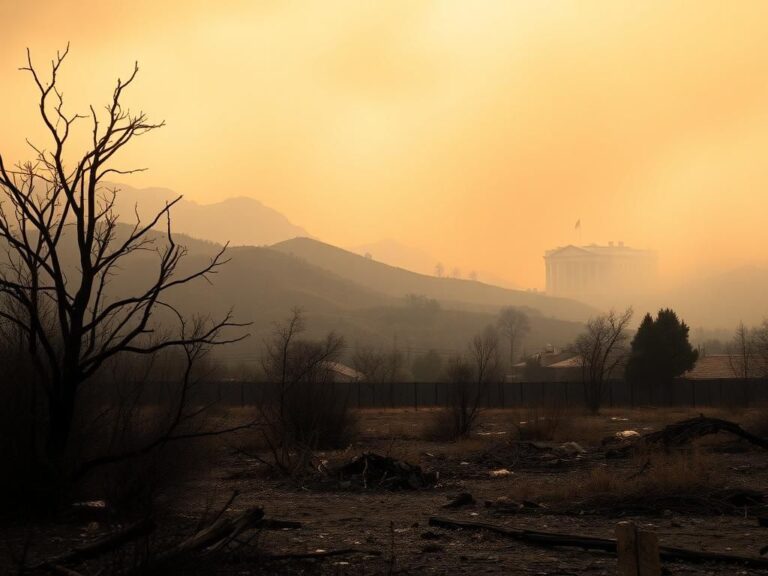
(524, 454)
(371, 470)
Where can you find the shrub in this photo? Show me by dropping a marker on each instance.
(302, 409)
(656, 482)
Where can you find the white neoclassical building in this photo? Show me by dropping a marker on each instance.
(593, 271)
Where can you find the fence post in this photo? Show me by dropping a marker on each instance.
(638, 551)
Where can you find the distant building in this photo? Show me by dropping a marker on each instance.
(592, 272)
(343, 373)
(536, 368)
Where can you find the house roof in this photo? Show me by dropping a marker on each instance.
(546, 359)
(714, 367)
(597, 250)
(572, 362)
(344, 370)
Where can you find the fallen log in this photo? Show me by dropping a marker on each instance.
(214, 537)
(99, 546)
(685, 431)
(319, 554)
(274, 524)
(594, 543)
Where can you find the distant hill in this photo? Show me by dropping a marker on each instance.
(262, 285)
(398, 282)
(397, 254)
(239, 221)
(394, 253)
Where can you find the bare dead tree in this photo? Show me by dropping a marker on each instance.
(760, 344)
(369, 362)
(742, 352)
(600, 350)
(484, 354)
(182, 422)
(392, 371)
(298, 418)
(514, 325)
(56, 207)
(469, 378)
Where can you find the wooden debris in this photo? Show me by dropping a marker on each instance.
(638, 551)
(99, 546)
(372, 470)
(273, 524)
(215, 537)
(551, 539)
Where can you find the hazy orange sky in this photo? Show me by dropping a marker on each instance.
(477, 131)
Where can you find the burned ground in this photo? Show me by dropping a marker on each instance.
(704, 495)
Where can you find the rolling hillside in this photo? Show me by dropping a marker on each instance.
(398, 282)
(239, 221)
(262, 285)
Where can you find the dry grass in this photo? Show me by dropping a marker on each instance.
(558, 424)
(756, 422)
(654, 482)
(441, 427)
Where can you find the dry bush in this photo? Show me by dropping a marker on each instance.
(441, 426)
(539, 424)
(656, 481)
(469, 378)
(129, 440)
(317, 415)
(557, 423)
(302, 409)
(142, 421)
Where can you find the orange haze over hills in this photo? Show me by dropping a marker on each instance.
(475, 131)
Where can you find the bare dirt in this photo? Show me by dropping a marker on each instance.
(391, 530)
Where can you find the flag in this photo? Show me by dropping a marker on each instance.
(578, 224)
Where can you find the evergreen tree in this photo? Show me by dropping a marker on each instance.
(660, 350)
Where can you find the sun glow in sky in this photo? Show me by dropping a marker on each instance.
(477, 131)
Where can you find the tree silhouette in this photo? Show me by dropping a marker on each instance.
(660, 351)
(514, 325)
(600, 349)
(742, 352)
(55, 209)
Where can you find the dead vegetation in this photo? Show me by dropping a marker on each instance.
(390, 481)
(689, 482)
